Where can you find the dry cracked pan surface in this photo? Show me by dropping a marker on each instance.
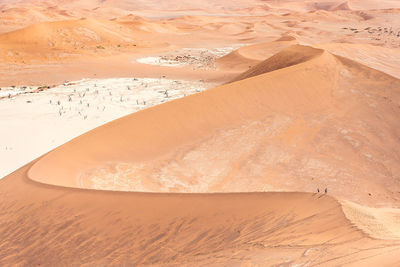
(308, 98)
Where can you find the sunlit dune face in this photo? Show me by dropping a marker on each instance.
(322, 127)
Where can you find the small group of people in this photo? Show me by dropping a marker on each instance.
(326, 190)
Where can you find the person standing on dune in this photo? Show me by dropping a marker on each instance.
(326, 190)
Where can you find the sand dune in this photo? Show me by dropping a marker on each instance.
(372, 4)
(63, 39)
(58, 226)
(58, 34)
(246, 57)
(167, 154)
(330, 5)
(14, 18)
(291, 56)
(382, 223)
(144, 149)
(380, 58)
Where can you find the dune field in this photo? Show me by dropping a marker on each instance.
(209, 133)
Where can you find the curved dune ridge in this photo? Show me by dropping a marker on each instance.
(255, 131)
(248, 137)
(63, 226)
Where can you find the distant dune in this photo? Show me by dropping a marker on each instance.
(55, 40)
(330, 5)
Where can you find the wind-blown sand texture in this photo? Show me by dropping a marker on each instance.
(226, 176)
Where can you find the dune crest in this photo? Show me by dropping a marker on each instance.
(246, 57)
(290, 56)
(315, 112)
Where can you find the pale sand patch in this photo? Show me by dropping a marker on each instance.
(34, 123)
(13, 91)
(201, 58)
(159, 62)
(381, 223)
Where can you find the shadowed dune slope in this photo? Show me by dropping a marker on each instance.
(343, 6)
(330, 5)
(236, 61)
(290, 56)
(243, 58)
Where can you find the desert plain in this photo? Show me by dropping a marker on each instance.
(208, 133)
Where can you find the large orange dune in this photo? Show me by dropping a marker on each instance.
(263, 133)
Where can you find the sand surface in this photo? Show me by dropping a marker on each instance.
(159, 133)
(56, 115)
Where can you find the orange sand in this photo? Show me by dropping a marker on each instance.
(226, 177)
